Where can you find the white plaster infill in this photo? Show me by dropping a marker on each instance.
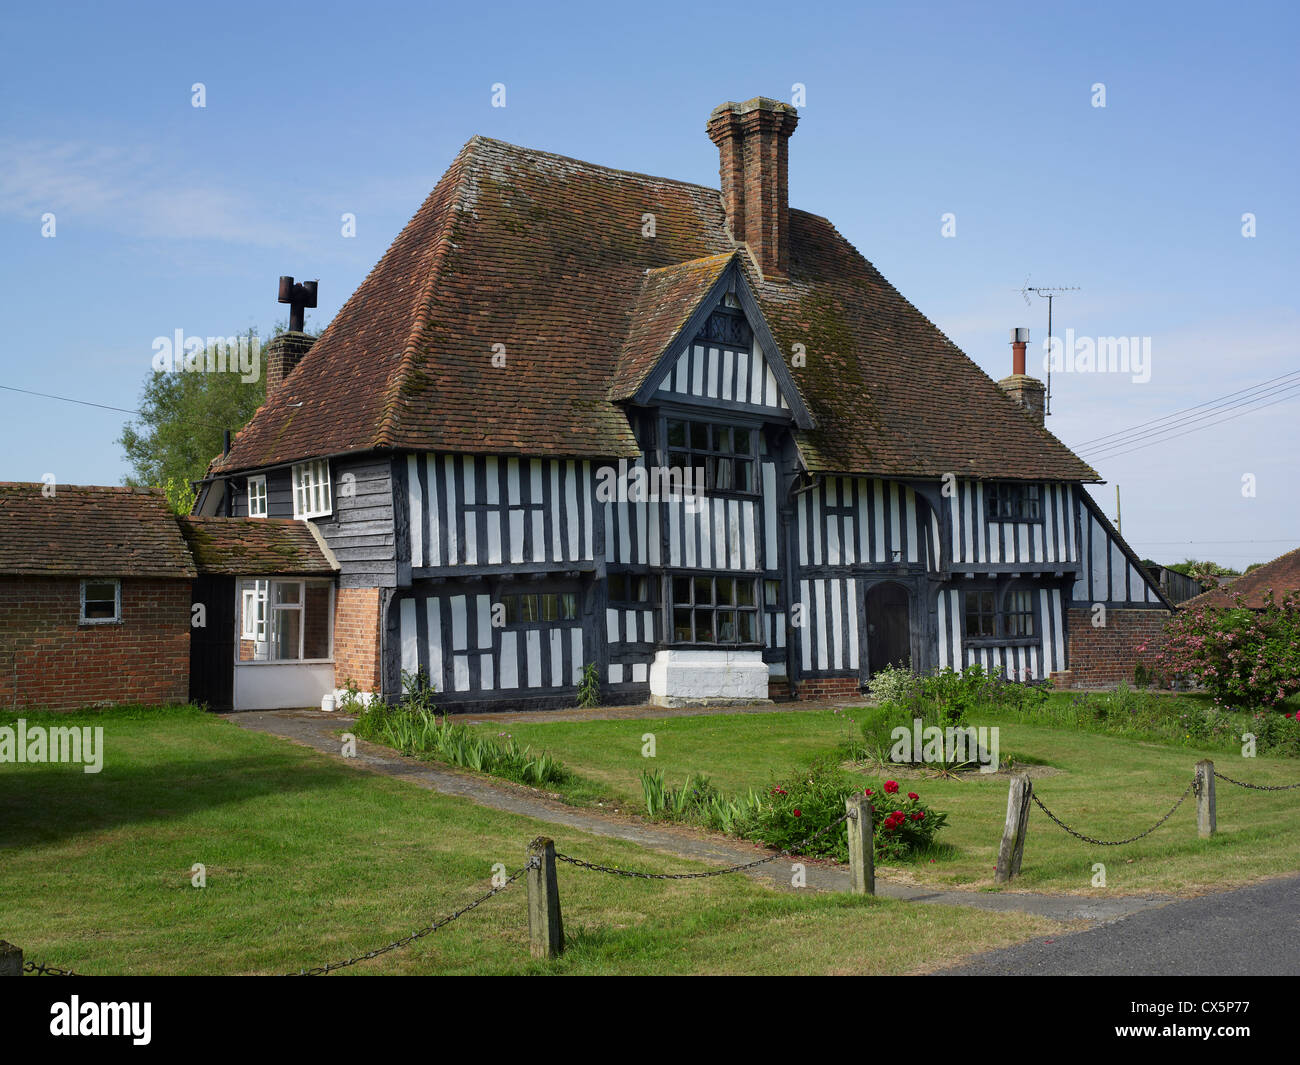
(701, 678)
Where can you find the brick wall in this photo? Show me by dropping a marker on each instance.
(1107, 655)
(356, 638)
(829, 688)
(49, 660)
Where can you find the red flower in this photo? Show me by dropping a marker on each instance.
(867, 791)
(919, 815)
(798, 813)
(913, 796)
(891, 787)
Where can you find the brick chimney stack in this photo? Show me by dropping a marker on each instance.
(752, 140)
(1027, 392)
(285, 351)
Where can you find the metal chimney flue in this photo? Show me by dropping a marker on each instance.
(298, 297)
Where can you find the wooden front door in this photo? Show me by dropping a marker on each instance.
(889, 627)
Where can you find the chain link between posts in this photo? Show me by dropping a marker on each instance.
(1256, 787)
(39, 969)
(322, 970)
(1117, 842)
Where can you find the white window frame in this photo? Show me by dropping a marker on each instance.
(257, 496)
(117, 601)
(263, 588)
(254, 597)
(312, 495)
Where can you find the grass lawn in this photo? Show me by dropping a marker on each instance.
(1106, 786)
(311, 861)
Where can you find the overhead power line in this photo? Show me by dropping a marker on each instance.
(1083, 444)
(88, 403)
(1153, 437)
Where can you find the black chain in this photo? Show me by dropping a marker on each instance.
(46, 970)
(1256, 787)
(321, 970)
(1117, 842)
(614, 870)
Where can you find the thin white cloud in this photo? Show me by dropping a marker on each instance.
(132, 191)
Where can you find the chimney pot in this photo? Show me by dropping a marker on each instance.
(1025, 391)
(752, 139)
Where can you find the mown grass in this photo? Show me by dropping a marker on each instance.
(1106, 786)
(309, 860)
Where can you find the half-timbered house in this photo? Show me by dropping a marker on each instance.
(577, 416)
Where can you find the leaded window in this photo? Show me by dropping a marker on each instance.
(715, 610)
(726, 453)
(1013, 502)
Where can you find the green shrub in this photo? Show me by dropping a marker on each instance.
(589, 687)
(902, 826)
(1245, 659)
(894, 685)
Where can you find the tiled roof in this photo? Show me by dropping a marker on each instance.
(545, 255)
(89, 531)
(665, 301)
(251, 547)
(1282, 575)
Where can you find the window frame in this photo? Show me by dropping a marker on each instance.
(628, 578)
(269, 611)
(753, 456)
(257, 479)
(1002, 636)
(755, 608)
(539, 622)
(320, 489)
(116, 619)
(996, 511)
(259, 594)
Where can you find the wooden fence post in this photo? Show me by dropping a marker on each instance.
(1206, 822)
(545, 927)
(1013, 835)
(862, 857)
(11, 959)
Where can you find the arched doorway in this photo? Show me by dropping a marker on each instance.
(889, 627)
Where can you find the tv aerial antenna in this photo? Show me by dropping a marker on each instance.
(1049, 293)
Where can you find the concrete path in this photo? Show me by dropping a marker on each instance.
(1252, 931)
(317, 730)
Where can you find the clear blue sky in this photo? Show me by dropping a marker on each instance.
(171, 217)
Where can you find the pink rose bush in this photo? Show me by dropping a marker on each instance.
(1246, 659)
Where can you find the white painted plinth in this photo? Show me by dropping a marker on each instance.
(689, 678)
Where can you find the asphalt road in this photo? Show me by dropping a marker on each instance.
(1252, 931)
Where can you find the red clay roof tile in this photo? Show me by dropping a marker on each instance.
(545, 255)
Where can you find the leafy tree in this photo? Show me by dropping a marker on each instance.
(1205, 571)
(182, 420)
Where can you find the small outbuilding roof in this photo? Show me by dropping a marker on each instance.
(256, 547)
(1280, 576)
(89, 531)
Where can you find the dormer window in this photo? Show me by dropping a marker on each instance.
(311, 489)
